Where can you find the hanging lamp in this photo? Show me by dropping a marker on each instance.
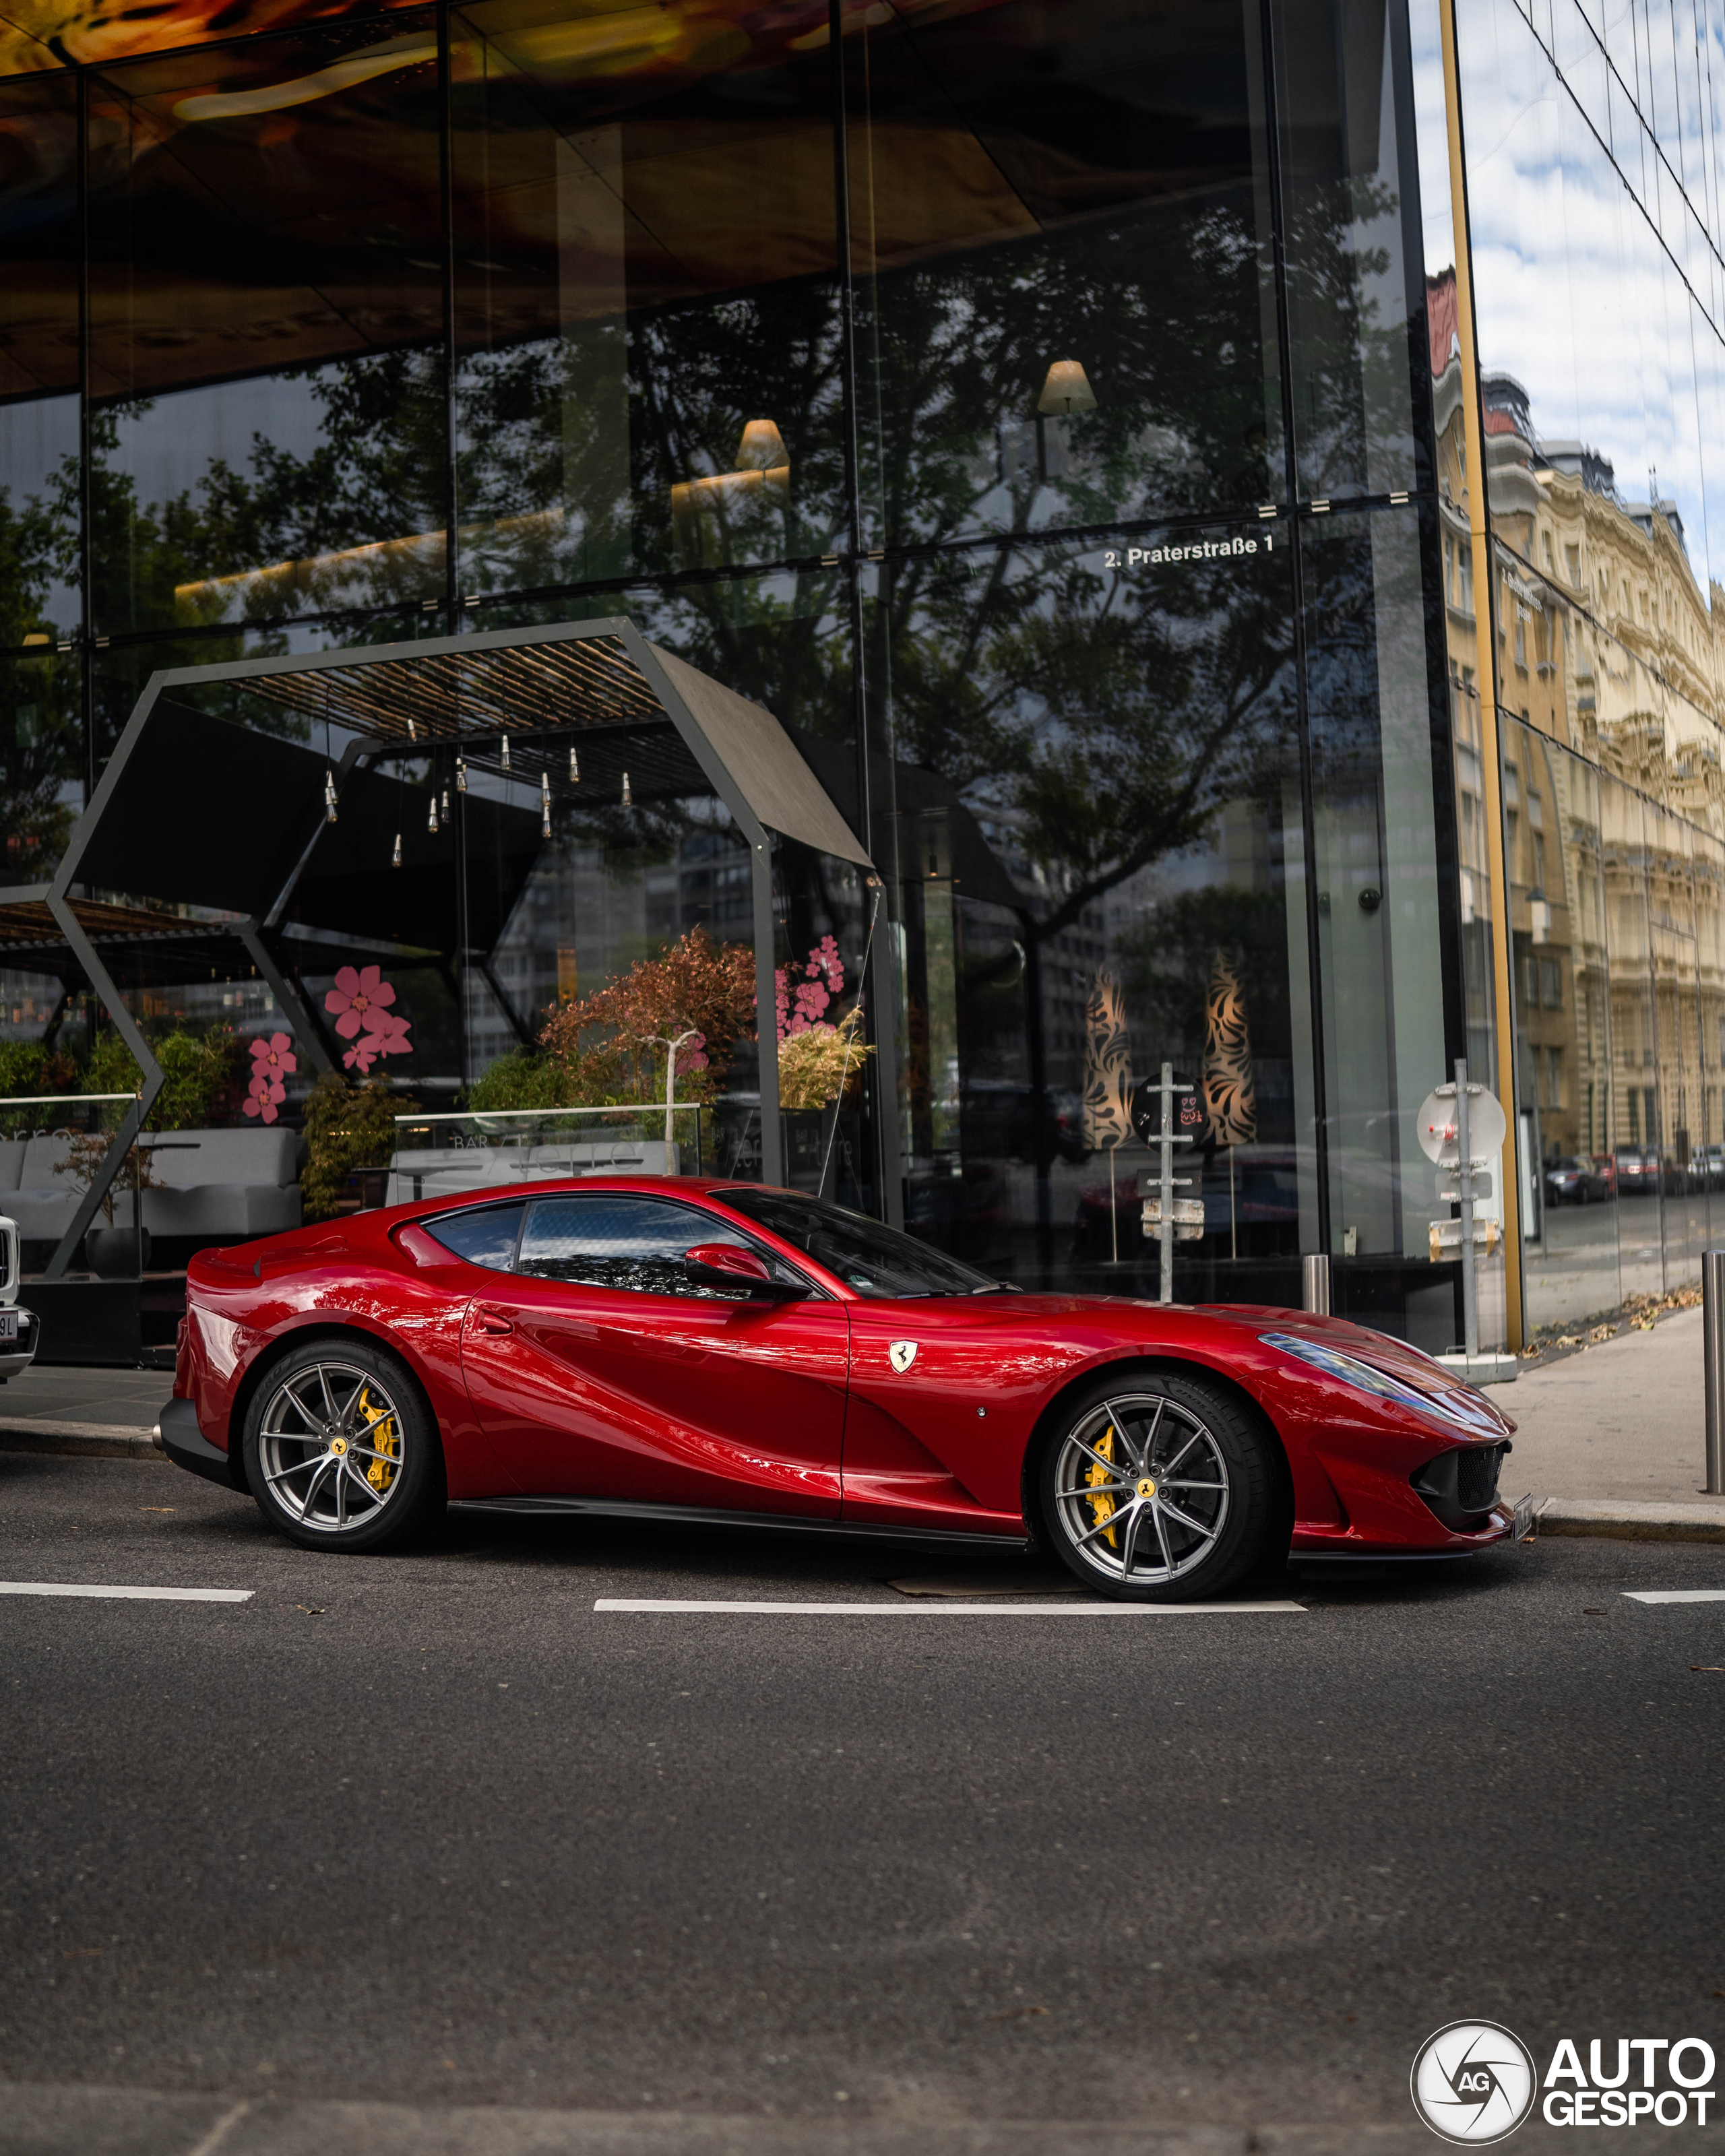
(506, 751)
(329, 796)
(431, 821)
(395, 862)
(545, 803)
(574, 766)
(626, 795)
(461, 774)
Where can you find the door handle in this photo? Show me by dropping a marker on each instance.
(494, 1322)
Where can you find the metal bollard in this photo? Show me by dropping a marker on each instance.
(1314, 1288)
(1712, 1351)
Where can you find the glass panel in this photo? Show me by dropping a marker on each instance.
(646, 301)
(38, 362)
(42, 751)
(1563, 1037)
(266, 335)
(1060, 225)
(1379, 914)
(1354, 242)
(1087, 811)
(1635, 1125)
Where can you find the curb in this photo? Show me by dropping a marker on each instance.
(1632, 1520)
(82, 1441)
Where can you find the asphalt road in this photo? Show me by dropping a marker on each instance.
(431, 1830)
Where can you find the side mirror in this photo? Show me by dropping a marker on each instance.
(727, 1264)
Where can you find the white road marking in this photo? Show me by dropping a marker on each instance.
(614, 1604)
(1677, 1594)
(128, 1594)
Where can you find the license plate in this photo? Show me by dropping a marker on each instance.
(1524, 1519)
(9, 1325)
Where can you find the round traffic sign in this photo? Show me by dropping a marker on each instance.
(1486, 1129)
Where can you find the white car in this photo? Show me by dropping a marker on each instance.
(20, 1329)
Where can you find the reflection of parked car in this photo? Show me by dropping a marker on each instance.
(1637, 1171)
(1605, 1165)
(1572, 1182)
(1710, 1162)
(967, 1216)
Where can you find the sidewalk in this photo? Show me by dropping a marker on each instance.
(104, 1413)
(1614, 1437)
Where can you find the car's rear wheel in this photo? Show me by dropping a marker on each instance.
(1156, 1486)
(342, 1451)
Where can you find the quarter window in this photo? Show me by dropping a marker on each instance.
(484, 1234)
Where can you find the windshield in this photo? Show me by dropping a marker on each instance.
(870, 1260)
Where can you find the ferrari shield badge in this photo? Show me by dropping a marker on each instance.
(901, 1354)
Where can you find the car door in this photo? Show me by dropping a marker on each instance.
(597, 1370)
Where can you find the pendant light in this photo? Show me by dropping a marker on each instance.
(545, 803)
(446, 805)
(413, 730)
(431, 821)
(574, 766)
(329, 796)
(506, 751)
(461, 774)
(395, 862)
(626, 795)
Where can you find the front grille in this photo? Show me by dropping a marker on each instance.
(1476, 1478)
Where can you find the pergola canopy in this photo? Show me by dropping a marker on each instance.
(211, 829)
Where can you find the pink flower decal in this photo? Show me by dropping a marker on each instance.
(360, 1001)
(272, 1060)
(356, 998)
(823, 979)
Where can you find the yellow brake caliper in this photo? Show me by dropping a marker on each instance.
(380, 1473)
(1102, 1509)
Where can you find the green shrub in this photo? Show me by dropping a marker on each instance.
(347, 1127)
(32, 1066)
(524, 1080)
(197, 1068)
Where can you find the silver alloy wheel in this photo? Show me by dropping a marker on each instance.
(330, 1445)
(1141, 1488)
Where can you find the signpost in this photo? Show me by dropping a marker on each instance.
(1170, 1216)
(1461, 1128)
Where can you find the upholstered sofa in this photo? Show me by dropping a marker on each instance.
(225, 1185)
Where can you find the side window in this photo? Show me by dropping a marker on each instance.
(601, 1240)
(483, 1234)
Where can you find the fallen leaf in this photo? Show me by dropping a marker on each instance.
(156, 1508)
(1709, 1669)
(80, 1953)
(310, 1611)
(1017, 2013)
(1593, 1613)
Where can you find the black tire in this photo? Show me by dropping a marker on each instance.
(1217, 1527)
(315, 1478)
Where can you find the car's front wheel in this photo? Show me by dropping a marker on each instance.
(1158, 1487)
(340, 1450)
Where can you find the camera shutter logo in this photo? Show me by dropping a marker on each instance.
(1473, 2082)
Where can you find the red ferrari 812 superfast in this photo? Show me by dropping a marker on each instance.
(707, 1350)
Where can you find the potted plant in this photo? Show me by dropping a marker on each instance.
(111, 1252)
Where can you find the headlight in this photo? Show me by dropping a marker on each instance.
(1477, 1422)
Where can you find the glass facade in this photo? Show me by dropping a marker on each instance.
(1054, 418)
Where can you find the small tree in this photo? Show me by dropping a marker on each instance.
(690, 1005)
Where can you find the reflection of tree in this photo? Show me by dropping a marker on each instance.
(375, 474)
(1102, 722)
(1161, 307)
(1167, 958)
